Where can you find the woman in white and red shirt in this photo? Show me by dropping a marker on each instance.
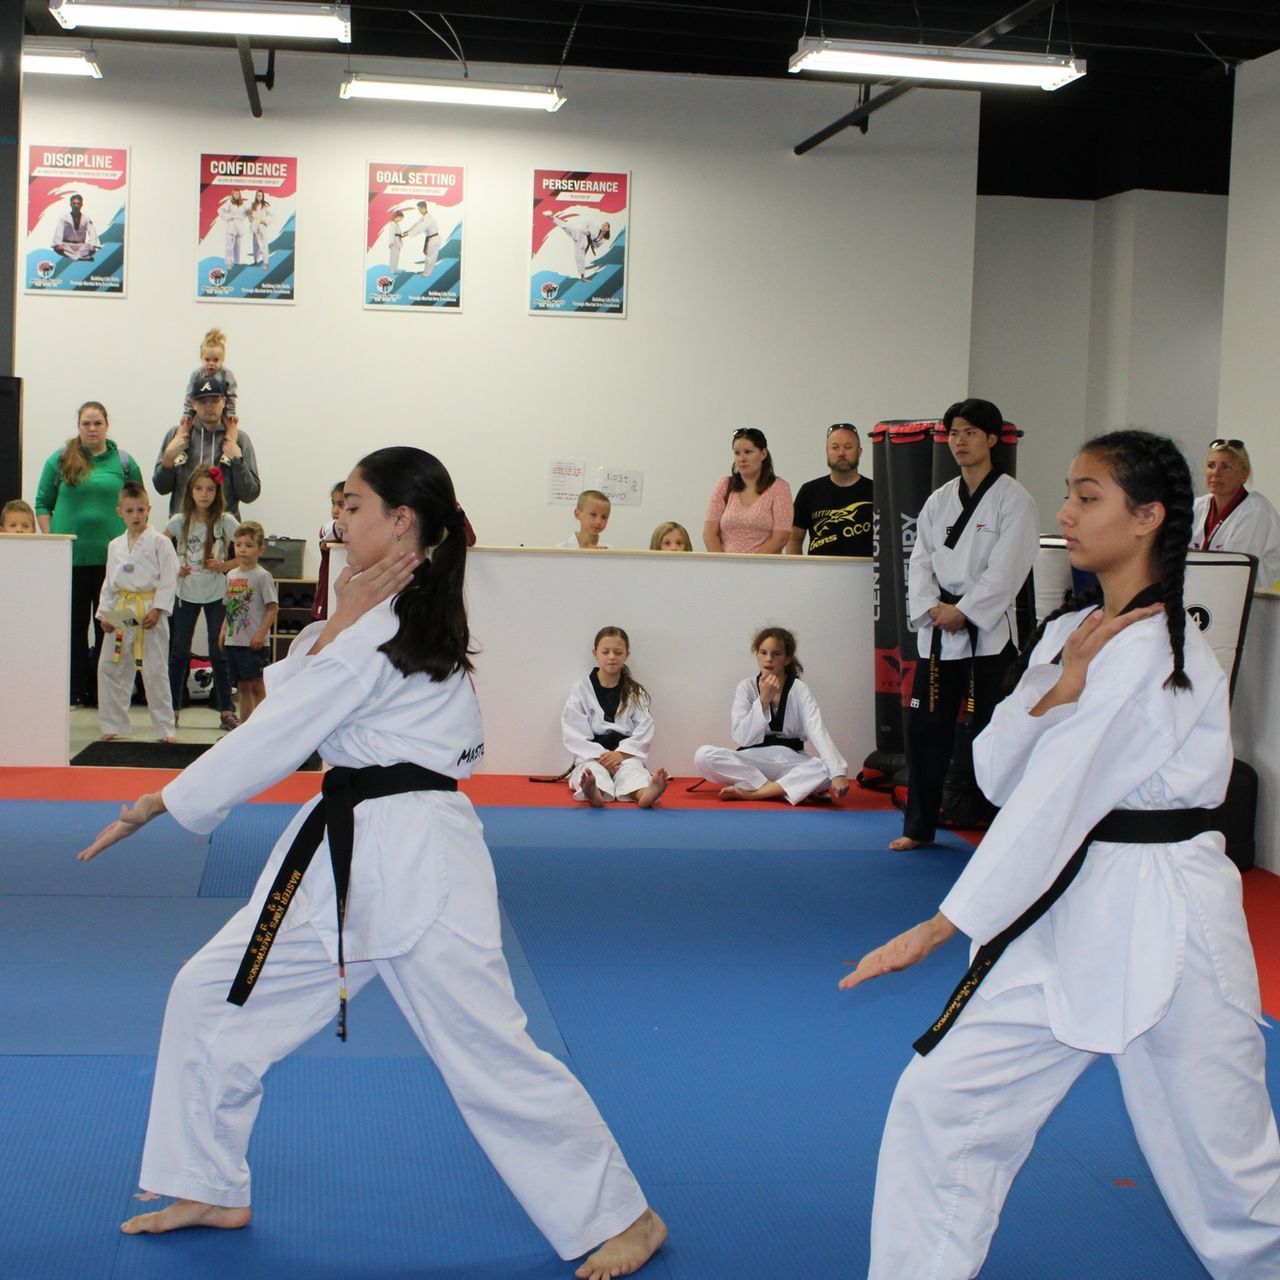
(1232, 518)
(750, 509)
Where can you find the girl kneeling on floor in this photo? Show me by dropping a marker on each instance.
(607, 729)
(774, 715)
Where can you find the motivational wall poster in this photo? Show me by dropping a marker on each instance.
(247, 228)
(77, 211)
(413, 236)
(579, 259)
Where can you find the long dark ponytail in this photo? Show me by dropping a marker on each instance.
(1149, 468)
(433, 636)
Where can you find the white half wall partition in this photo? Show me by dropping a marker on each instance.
(690, 618)
(35, 637)
(1255, 715)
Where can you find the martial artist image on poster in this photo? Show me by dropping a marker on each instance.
(579, 263)
(247, 228)
(77, 208)
(413, 237)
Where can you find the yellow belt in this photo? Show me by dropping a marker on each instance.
(140, 603)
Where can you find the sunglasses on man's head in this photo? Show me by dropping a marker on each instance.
(1226, 444)
(842, 426)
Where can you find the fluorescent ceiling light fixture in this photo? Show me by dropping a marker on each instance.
(216, 17)
(929, 62)
(467, 93)
(52, 60)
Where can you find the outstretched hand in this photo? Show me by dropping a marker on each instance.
(132, 818)
(901, 952)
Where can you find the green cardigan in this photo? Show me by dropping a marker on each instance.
(87, 509)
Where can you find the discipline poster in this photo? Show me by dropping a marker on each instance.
(247, 228)
(579, 260)
(77, 209)
(413, 237)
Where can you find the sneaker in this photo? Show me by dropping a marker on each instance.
(230, 720)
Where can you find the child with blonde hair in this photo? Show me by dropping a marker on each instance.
(670, 536)
(252, 605)
(607, 729)
(17, 517)
(213, 354)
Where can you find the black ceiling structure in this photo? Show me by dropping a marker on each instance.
(1154, 110)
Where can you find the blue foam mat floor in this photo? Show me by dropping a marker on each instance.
(685, 969)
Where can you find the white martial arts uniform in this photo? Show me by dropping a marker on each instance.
(235, 222)
(583, 718)
(1145, 957)
(585, 236)
(986, 569)
(395, 242)
(260, 220)
(800, 774)
(422, 914)
(1254, 527)
(429, 229)
(138, 579)
(76, 242)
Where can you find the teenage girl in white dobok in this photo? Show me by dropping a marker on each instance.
(1108, 917)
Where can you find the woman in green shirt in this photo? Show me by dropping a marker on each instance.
(78, 493)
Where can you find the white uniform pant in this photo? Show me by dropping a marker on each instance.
(963, 1119)
(115, 680)
(394, 245)
(632, 776)
(531, 1117)
(231, 247)
(261, 247)
(801, 775)
(431, 252)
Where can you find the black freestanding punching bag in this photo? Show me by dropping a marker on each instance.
(901, 463)
(963, 804)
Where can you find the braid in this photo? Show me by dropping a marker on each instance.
(1151, 468)
(1179, 508)
(1075, 600)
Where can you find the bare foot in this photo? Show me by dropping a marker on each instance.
(591, 792)
(650, 794)
(628, 1251)
(736, 793)
(109, 737)
(169, 741)
(903, 843)
(188, 1213)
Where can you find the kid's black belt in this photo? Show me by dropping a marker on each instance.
(341, 790)
(1120, 826)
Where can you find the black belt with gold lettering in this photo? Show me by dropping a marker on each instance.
(341, 790)
(1120, 826)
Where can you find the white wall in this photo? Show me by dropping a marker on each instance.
(1251, 319)
(764, 289)
(1031, 314)
(1255, 712)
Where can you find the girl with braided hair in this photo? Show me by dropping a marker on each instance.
(1106, 916)
(403, 890)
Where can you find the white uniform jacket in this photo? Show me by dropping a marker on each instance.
(1254, 527)
(413, 853)
(151, 564)
(1109, 952)
(986, 569)
(583, 718)
(802, 719)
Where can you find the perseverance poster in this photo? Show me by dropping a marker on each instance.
(247, 228)
(413, 237)
(579, 260)
(77, 210)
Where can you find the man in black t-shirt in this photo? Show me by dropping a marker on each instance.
(835, 510)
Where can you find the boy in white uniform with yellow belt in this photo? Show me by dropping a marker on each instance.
(134, 608)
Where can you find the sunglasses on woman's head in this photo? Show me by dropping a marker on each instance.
(1226, 444)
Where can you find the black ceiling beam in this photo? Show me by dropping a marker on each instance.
(897, 88)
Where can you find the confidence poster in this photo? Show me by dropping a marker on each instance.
(77, 208)
(413, 237)
(579, 262)
(248, 224)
